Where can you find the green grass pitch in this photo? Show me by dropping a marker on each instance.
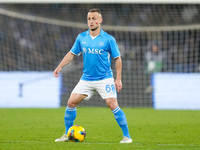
(36, 129)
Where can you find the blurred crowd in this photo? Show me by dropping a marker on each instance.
(178, 54)
(28, 45)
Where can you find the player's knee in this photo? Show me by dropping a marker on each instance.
(71, 103)
(112, 103)
(75, 99)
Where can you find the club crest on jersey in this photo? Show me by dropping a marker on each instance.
(101, 43)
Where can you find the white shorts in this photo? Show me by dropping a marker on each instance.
(106, 88)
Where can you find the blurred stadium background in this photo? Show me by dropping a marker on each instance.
(35, 37)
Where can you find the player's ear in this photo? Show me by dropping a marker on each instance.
(101, 20)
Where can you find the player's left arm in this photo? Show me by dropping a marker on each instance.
(118, 80)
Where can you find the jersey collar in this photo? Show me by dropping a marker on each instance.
(101, 32)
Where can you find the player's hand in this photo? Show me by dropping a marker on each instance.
(118, 85)
(56, 71)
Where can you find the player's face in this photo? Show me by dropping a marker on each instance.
(94, 20)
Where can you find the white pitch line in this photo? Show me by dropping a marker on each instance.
(23, 142)
(192, 145)
(181, 145)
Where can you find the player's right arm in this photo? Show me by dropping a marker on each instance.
(75, 50)
(66, 60)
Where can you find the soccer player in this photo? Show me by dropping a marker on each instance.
(97, 48)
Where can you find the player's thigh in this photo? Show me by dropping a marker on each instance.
(112, 102)
(75, 99)
(85, 88)
(106, 88)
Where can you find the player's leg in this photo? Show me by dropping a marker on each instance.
(81, 91)
(70, 113)
(107, 91)
(120, 117)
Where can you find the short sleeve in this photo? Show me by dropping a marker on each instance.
(114, 48)
(76, 48)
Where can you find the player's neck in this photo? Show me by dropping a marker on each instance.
(95, 32)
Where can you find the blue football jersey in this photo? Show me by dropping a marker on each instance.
(97, 53)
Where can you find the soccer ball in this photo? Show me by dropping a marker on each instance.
(76, 133)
